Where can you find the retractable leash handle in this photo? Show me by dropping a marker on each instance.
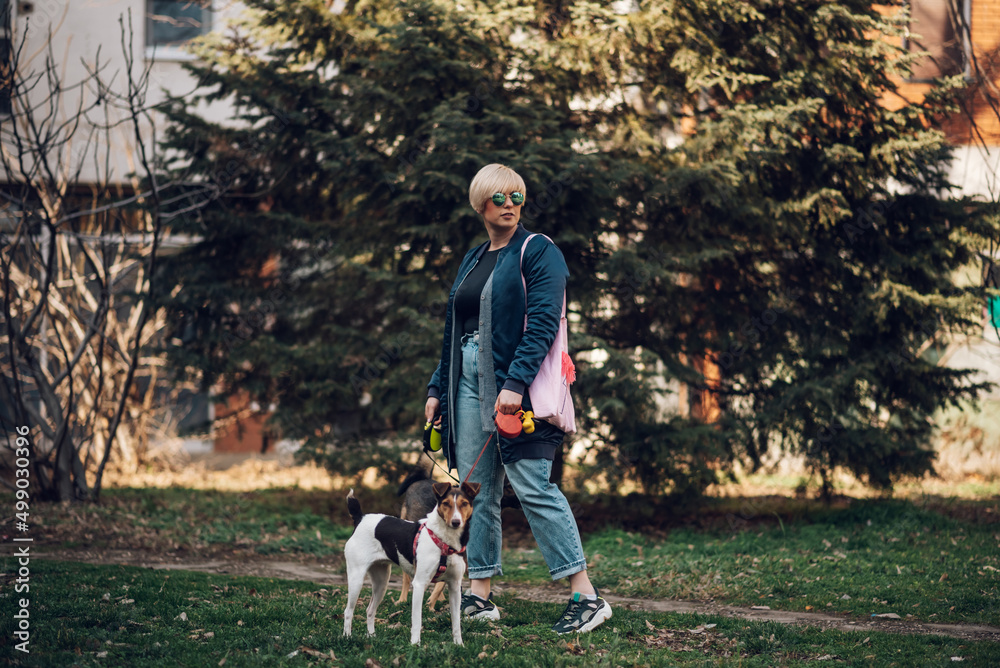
(511, 426)
(432, 437)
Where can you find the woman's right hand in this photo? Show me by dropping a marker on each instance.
(432, 410)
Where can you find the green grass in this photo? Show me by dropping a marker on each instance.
(80, 612)
(937, 561)
(883, 556)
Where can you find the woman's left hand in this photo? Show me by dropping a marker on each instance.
(508, 402)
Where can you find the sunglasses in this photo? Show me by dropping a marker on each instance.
(516, 198)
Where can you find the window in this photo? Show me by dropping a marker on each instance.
(171, 23)
(6, 73)
(936, 27)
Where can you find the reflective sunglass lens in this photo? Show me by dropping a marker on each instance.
(515, 197)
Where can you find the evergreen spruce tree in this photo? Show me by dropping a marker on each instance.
(740, 211)
(339, 204)
(792, 257)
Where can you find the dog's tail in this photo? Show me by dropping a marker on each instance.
(354, 507)
(417, 473)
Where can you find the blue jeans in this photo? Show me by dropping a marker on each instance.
(544, 504)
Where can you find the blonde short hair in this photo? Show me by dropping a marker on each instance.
(495, 178)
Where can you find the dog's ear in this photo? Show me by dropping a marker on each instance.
(470, 489)
(442, 489)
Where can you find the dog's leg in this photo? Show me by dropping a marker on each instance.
(455, 603)
(437, 594)
(417, 607)
(406, 588)
(355, 580)
(380, 581)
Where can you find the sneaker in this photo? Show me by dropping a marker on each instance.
(583, 615)
(474, 607)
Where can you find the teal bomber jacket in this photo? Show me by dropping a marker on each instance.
(517, 352)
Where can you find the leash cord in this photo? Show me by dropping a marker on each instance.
(434, 462)
(448, 473)
(481, 452)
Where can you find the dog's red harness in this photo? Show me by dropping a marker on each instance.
(446, 549)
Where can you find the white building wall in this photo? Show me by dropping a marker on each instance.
(74, 33)
(976, 171)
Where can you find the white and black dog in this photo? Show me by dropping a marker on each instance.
(425, 550)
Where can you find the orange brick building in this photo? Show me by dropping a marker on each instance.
(962, 37)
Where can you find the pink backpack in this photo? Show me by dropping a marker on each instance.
(549, 391)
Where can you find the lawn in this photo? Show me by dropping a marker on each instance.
(931, 561)
(875, 557)
(97, 615)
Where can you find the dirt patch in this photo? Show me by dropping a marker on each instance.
(323, 573)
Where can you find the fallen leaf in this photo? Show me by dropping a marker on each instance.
(571, 647)
(809, 607)
(845, 597)
(898, 571)
(183, 617)
(318, 654)
(888, 615)
(944, 576)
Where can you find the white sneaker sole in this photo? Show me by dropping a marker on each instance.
(599, 618)
(493, 614)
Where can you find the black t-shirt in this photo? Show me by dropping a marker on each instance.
(468, 297)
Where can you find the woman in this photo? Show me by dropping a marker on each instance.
(487, 363)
